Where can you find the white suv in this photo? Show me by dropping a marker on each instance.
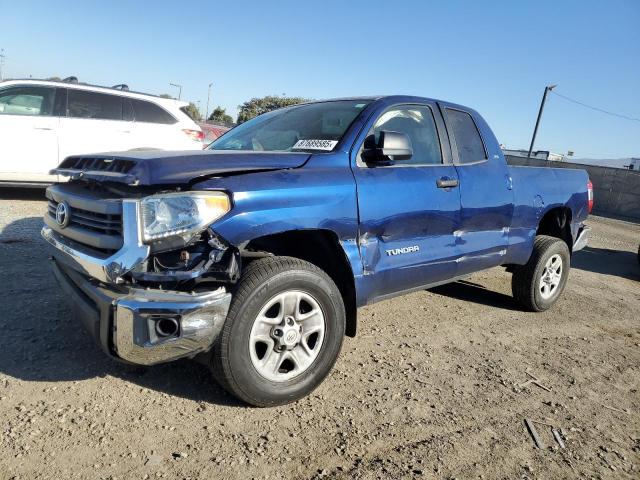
(42, 122)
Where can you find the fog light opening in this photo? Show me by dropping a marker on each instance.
(167, 327)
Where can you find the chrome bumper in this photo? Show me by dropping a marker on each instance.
(111, 269)
(582, 239)
(200, 318)
(123, 321)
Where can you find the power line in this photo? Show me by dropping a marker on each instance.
(601, 110)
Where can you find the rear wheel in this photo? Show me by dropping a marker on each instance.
(537, 285)
(283, 332)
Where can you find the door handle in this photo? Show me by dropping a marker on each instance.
(42, 128)
(446, 182)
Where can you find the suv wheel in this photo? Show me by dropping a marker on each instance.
(537, 285)
(283, 332)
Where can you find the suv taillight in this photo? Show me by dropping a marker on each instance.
(590, 195)
(196, 135)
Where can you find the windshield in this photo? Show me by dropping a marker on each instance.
(309, 127)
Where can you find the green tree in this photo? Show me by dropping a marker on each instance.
(219, 115)
(258, 106)
(165, 95)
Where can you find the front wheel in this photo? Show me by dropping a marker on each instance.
(283, 332)
(538, 284)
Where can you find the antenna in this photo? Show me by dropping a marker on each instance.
(2, 57)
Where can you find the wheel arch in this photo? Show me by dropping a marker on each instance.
(320, 247)
(556, 222)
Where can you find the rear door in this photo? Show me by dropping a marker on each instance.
(28, 133)
(407, 219)
(486, 194)
(94, 124)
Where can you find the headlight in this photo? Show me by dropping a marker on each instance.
(181, 214)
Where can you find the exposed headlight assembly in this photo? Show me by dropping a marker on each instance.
(181, 214)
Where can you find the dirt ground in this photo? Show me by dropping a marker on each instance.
(434, 385)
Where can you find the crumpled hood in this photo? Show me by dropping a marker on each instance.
(157, 167)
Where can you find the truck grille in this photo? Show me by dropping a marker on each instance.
(94, 221)
(98, 222)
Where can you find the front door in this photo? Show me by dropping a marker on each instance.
(408, 214)
(486, 196)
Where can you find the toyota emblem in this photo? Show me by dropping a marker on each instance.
(62, 214)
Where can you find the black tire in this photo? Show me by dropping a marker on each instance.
(525, 281)
(261, 281)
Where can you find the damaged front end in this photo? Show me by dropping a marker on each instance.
(207, 259)
(147, 275)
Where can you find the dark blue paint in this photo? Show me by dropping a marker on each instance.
(490, 219)
(156, 167)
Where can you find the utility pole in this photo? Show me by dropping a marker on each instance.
(179, 87)
(206, 117)
(547, 89)
(2, 57)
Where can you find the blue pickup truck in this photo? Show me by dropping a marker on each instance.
(254, 255)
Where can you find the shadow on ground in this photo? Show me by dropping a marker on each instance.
(619, 263)
(41, 342)
(476, 293)
(602, 261)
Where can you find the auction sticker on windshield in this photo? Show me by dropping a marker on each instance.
(315, 144)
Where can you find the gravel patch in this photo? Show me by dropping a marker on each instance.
(434, 385)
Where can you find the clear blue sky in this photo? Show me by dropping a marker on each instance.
(494, 56)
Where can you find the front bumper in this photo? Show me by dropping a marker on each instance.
(123, 320)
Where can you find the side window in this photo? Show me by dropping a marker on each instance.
(467, 136)
(85, 104)
(151, 113)
(35, 101)
(418, 123)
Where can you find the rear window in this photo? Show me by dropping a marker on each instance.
(84, 104)
(467, 136)
(151, 113)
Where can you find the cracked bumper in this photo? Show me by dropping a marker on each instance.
(122, 320)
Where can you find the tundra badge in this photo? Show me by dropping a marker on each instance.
(400, 251)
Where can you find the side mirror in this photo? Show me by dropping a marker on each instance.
(391, 147)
